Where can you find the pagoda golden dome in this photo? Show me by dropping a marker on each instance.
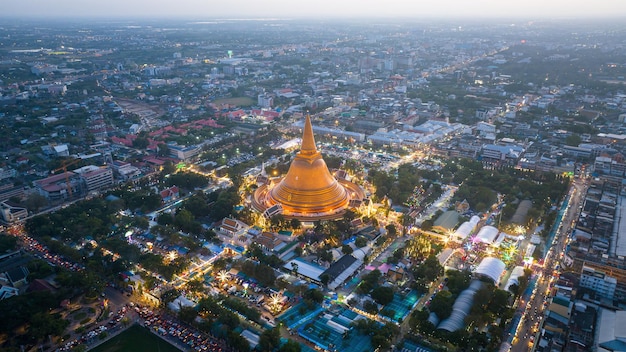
(309, 186)
(308, 190)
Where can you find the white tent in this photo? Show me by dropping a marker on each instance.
(464, 230)
(180, 302)
(515, 275)
(487, 234)
(491, 268)
(461, 308)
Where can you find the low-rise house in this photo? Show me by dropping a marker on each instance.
(169, 194)
(269, 241)
(232, 227)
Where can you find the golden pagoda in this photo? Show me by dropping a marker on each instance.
(309, 190)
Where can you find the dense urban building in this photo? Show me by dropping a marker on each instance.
(466, 185)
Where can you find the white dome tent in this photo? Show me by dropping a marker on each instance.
(492, 268)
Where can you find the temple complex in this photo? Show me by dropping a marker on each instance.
(309, 191)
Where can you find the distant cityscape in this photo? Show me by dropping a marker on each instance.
(300, 185)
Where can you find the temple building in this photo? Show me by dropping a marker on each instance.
(309, 191)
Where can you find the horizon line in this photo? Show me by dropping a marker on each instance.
(314, 17)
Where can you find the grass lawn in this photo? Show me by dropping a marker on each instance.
(79, 315)
(238, 101)
(136, 338)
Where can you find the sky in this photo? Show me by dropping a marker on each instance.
(199, 9)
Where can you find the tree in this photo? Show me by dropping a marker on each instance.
(169, 296)
(290, 346)
(392, 231)
(197, 205)
(383, 295)
(324, 278)
(269, 340)
(34, 202)
(295, 224)
(442, 304)
(417, 319)
(195, 285)
(238, 342)
(418, 247)
(458, 281)
(38, 268)
(187, 314)
(43, 324)
(7, 243)
(168, 168)
(499, 302)
(380, 342)
(346, 249)
(369, 281)
(521, 286)
(325, 255)
(573, 140)
(163, 150)
(382, 337)
(360, 242)
(229, 319)
(277, 220)
(165, 219)
(261, 272)
(427, 225)
(187, 180)
(313, 295)
(226, 200)
(397, 255)
(482, 299)
(429, 270)
(242, 308)
(370, 307)
(141, 222)
(141, 143)
(185, 221)
(79, 348)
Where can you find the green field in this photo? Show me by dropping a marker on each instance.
(238, 101)
(136, 338)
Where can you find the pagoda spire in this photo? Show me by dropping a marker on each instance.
(308, 141)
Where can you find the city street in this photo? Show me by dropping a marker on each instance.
(532, 311)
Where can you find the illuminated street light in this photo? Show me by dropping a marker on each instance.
(172, 255)
(275, 303)
(222, 276)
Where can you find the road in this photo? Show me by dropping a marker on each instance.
(532, 311)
